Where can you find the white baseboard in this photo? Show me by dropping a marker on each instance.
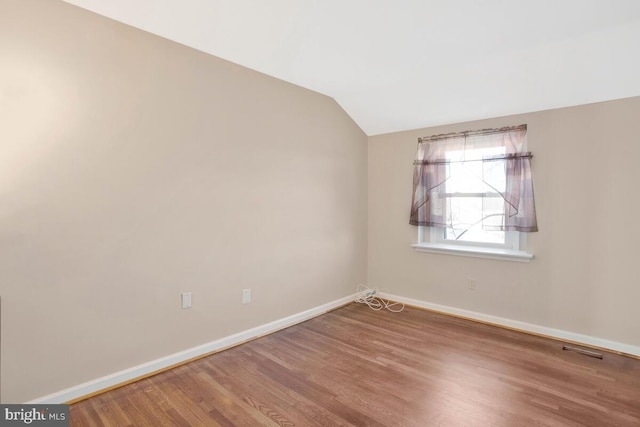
(145, 369)
(127, 375)
(521, 326)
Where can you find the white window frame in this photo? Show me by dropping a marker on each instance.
(432, 240)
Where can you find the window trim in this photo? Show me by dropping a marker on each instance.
(437, 235)
(427, 243)
(474, 252)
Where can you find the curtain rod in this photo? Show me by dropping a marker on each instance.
(514, 156)
(472, 133)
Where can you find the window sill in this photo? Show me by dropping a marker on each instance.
(474, 252)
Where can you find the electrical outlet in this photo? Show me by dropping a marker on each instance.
(186, 300)
(246, 296)
(471, 284)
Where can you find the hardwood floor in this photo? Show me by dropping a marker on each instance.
(354, 366)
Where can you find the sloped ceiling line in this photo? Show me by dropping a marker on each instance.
(410, 64)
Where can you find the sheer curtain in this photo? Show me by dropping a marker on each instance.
(498, 150)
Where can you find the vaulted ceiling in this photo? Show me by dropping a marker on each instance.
(406, 64)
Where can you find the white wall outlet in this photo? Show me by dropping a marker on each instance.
(471, 284)
(186, 300)
(246, 296)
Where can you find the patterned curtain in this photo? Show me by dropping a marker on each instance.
(432, 168)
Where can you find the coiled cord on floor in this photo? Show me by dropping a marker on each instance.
(372, 298)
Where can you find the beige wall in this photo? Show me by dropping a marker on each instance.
(133, 169)
(584, 277)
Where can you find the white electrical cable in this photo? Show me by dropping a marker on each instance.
(372, 298)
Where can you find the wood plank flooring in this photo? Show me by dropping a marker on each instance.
(354, 366)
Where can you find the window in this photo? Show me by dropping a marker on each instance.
(473, 193)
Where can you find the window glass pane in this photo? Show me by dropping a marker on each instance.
(476, 176)
(493, 212)
(473, 199)
(465, 219)
(465, 178)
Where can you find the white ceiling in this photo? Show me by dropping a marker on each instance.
(407, 64)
